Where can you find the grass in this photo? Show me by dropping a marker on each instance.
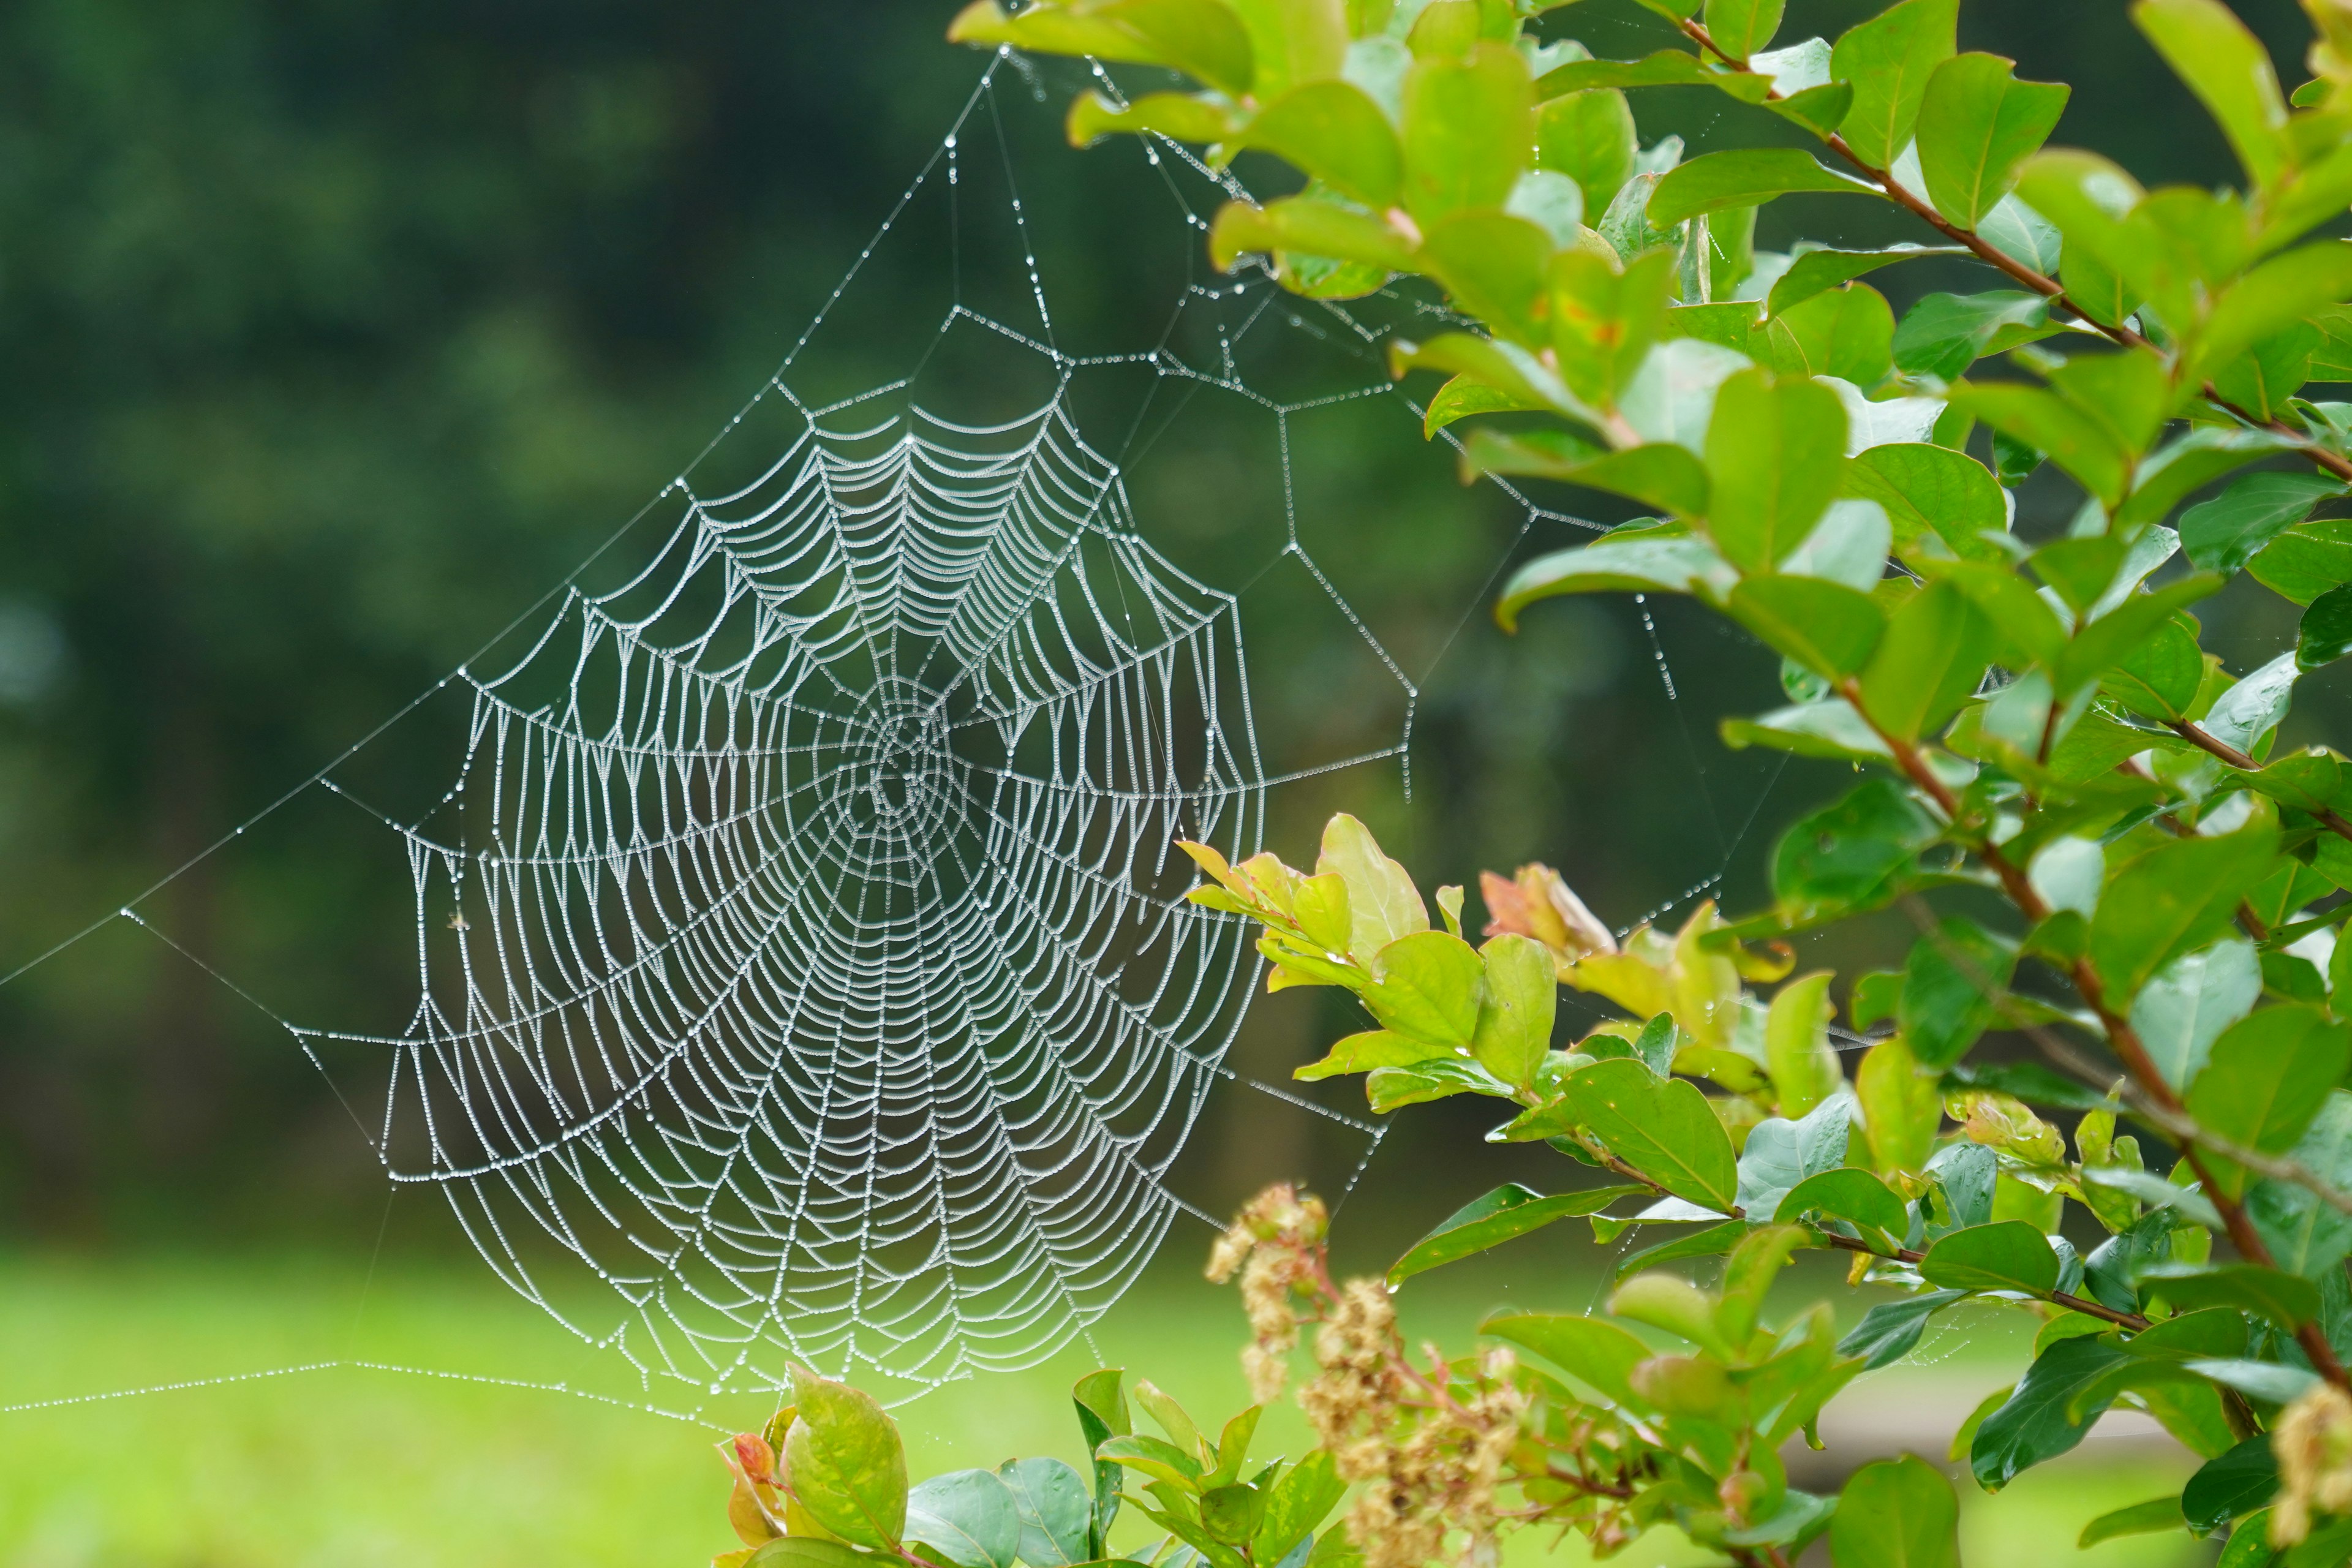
(358, 1469)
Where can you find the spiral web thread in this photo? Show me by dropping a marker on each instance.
(801, 947)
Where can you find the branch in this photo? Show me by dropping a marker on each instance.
(2040, 282)
(2205, 741)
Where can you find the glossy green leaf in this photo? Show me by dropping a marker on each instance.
(1301, 1500)
(1797, 1055)
(1591, 1350)
(967, 1517)
(2180, 1012)
(1850, 1194)
(1054, 1511)
(1897, 1513)
(2284, 1298)
(1776, 453)
(1888, 60)
(1740, 28)
(1934, 492)
(1469, 129)
(2171, 899)
(1744, 177)
(2224, 533)
(2008, 1255)
(849, 1466)
(1852, 851)
(2140, 1519)
(1826, 626)
(2229, 72)
(1932, 658)
(1516, 1008)
(1680, 563)
(1978, 124)
(1847, 332)
(2306, 560)
(1889, 1331)
(1507, 1212)
(2326, 633)
(1944, 334)
(2034, 1424)
(2253, 707)
(1661, 1128)
(1465, 395)
(2268, 1077)
(1813, 272)
(2161, 678)
(1334, 131)
(2305, 1234)
(1660, 474)
(2231, 1486)
(1953, 985)
(1201, 37)
(1589, 136)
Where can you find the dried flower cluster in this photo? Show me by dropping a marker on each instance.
(1276, 1243)
(2312, 1441)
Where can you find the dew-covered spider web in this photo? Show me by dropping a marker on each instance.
(802, 969)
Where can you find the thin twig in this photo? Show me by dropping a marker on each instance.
(2213, 745)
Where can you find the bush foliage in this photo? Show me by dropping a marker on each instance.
(2081, 807)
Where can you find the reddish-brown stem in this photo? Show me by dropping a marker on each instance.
(2039, 281)
(2121, 1037)
(2213, 745)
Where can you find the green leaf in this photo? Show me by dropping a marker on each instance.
(1515, 1014)
(1301, 1500)
(1383, 903)
(2326, 634)
(1847, 332)
(1367, 1051)
(2250, 709)
(2077, 442)
(2268, 1077)
(2285, 1300)
(1179, 115)
(1978, 124)
(2122, 631)
(1900, 1106)
(1679, 562)
(1661, 1128)
(1933, 655)
(2305, 1234)
(2224, 533)
(1667, 67)
(1594, 1352)
(1889, 1331)
(1953, 984)
(1944, 334)
(801, 1551)
(1744, 177)
(1700, 1241)
(2231, 1486)
(1509, 1211)
(967, 1517)
(1740, 28)
(1897, 1513)
(1671, 1302)
(2032, 1425)
(1333, 131)
(1934, 492)
(1660, 474)
(2182, 1011)
(1797, 1050)
(1231, 1513)
(1888, 59)
(1154, 1457)
(1850, 853)
(2306, 560)
(1469, 129)
(2008, 1255)
(1102, 1415)
(1776, 453)
(1465, 396)
(2161, 678)
(1494, 265)
(2275, 296)
(1055, 1512)
(2229, 72)
(1307, 226)
(2140, 1519)
(1813, 271)
(1201, 37)
(1588, 136)
(1856, 1196)
(1826, 626)
(849, 1468)
(2172, 899)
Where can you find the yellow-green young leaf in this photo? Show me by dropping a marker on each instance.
(1469, 130)
(2286, 289)
(1591, 1350)
(1661, 1127)
(1308, 226)
(1901, 1106)
(2229, 72)
(1670, 1302)
(1201, 37)
(1888, 59)
(2075, 441)
(2007, 1254)
(1307, 1492)
(1465, 396)
(2268, 1076)
(1515, 1019)
(1748, 1273)
(1847, 1194)
(795, 1551)
(1846, 332)
(2171, 899)
(1776, 451)
(1383, 903)
(1797, 1050)
(1744, 177)
(1320, 906)
(1933, 492)
(1936, 650)
(1372, 1048)
(1740, 28)
(1590, 137)
(1658, 474)
(1978, 124)
(1494, 266)
(1294, 41)
(1604, 320)
(1337, 135)
(1827, 627)
(1183, 116)
(1431, 988)
(1675, 562)
(847, 1465)
(1494, 1217)
(2140, 1519)
(1897, 1513)
(2096, 288)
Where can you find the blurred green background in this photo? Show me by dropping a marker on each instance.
(335, 333)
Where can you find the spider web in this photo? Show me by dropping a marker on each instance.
(800, 946)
